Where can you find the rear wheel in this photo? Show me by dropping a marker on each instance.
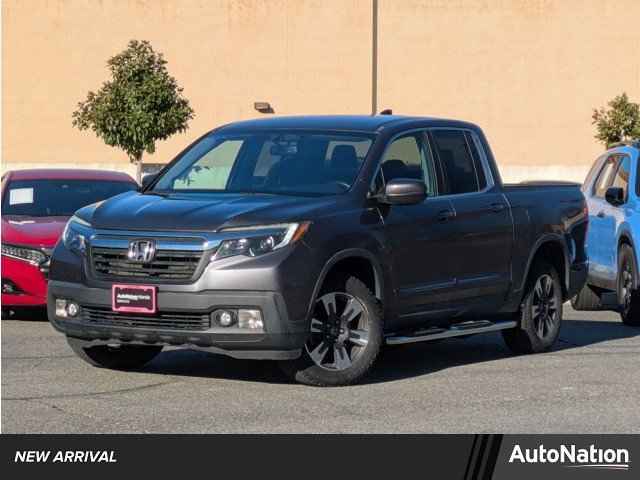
(120, 357)
(540, 314)
(628, 297)
(345, 337)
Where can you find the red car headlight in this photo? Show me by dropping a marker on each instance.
(31, 255)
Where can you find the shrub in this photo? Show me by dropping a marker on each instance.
(139, 105)
(619, 122)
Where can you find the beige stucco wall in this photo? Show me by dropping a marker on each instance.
(302, 56)
(528, 71)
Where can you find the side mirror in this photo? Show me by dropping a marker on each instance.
(147, 179)
(403, 191)
(615, 196)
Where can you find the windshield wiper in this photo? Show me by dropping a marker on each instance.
(154, 192)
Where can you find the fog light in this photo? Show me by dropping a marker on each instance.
(224, 318)
(9, 287)
(61, 307)
(73, 309)
(251, 319)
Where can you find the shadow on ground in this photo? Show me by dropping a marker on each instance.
(31, 314)
(395, 363)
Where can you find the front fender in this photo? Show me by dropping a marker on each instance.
(378, 269)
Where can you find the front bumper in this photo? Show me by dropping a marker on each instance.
(29, 283)
(280, 339)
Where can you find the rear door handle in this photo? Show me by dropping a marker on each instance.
(600, 214)
(446, 215)
(497, 207)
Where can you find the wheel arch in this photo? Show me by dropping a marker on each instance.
(553, 248)
(626, 238)
(362, 262)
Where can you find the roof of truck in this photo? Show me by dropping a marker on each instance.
(363, 123)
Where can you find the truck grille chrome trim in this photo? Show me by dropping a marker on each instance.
(176, 265)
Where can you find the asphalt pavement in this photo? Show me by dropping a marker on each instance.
(590, 383)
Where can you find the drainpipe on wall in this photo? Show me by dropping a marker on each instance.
(374, 57)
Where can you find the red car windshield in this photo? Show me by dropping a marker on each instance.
(51, 198)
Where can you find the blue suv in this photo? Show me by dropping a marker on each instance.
(612, 190)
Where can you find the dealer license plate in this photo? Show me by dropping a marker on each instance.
(133, 298)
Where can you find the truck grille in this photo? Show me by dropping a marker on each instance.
(168, 320)
(178, 265)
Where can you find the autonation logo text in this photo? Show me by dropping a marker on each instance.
(573, 457)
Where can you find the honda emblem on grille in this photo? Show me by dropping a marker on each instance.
(141, 251)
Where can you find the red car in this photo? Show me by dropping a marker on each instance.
(36, 205)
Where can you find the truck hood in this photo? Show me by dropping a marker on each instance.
(194, 211)
(33, 231)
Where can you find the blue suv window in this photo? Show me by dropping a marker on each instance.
(622, 175)
(604, 177)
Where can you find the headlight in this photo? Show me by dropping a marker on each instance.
(35, 257)
(75, 234)
(258, 240)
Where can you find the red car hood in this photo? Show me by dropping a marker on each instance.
(35, 231)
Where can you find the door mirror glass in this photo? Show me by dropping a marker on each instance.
(614, 195)
(403, 191)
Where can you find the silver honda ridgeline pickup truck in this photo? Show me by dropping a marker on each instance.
(314, 241)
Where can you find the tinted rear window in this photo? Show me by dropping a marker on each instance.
(457, 163)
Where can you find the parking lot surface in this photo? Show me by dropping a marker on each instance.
(589, 383)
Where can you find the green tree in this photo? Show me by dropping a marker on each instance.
(139, 105)
(619, 122)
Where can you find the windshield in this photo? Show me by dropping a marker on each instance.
(51, 198)
(279, 162)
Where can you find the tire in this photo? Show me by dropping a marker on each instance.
(628, 295)
(540, 315)
(342, 345)
(122, 357)
(586, 300)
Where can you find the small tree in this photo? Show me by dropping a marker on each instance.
(139, 105)
(620, 122)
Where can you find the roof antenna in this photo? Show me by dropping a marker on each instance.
(386, 111)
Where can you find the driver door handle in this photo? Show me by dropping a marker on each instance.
(497, 207)
(446, 215)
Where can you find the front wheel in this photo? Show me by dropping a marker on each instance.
(540, 314)
(345, 337)
(120, 357)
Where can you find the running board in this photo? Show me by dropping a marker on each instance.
(609, 301)
(458, 330)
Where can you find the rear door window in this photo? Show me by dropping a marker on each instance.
(459, 169)
(477, 153)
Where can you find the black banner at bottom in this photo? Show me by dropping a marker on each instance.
(465, 457)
